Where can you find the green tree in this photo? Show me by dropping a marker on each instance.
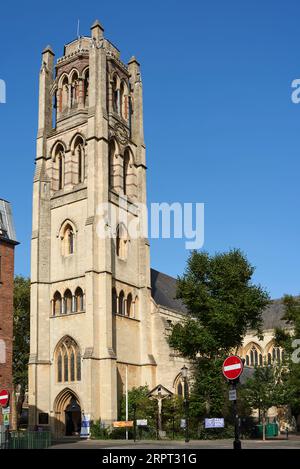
(21, 340)
(289, 340)
(145, 408)
(268, 387)
(222, 304)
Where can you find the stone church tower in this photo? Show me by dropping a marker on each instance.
(91, 295)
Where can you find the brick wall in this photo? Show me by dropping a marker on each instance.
(6, 313)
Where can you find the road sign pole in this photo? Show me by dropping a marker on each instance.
(232, 369)
(237, 442)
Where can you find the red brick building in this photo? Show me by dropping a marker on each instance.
(7, 247)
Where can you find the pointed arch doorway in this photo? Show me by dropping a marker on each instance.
(67, 411)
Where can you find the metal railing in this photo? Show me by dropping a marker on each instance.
(25, 440)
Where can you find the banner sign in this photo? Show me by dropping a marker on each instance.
(123, 424)
(142, 423)
(85, 426)
(214, 423)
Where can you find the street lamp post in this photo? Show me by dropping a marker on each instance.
(184, 371)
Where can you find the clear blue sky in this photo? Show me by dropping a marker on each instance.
(220, 126)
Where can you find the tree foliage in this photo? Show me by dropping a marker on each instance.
(21, 337)
(222, 304)
(289, 340)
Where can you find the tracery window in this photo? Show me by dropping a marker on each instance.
(68, 361)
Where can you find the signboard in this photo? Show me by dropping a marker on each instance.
(5, 410)
(232, 367)
(182, 423)
(232, 394)
(142, 423)
(6, 420)
(4, 397)
(85, 426)
(123, 424)
(214, 423)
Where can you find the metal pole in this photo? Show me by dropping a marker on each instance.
(134, 422)
(126, 397)
(237, 443)
(186, 408)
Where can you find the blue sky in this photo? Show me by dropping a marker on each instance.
(220, 125)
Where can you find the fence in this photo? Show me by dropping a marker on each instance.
(25, 440)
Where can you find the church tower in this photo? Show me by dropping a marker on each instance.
(90, 294)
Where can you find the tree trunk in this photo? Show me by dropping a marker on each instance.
(264, 425)
(19, 404)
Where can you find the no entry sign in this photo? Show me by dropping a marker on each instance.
(232, 367)
(4, 397)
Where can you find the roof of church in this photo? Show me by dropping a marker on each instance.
(164, 294)
(164, 291)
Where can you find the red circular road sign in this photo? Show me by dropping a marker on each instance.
(232, 367)
(4, 397)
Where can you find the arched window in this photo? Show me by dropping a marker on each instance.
(254, 356)
(79, 306)
(123, 101)
(74, 90)
(129, 305)
(122, 242)
(58, 168)
(68, 301)
(121, 303)
(68, 240)
(86, 88)
(115, 95)
(126, 161)
(68, 361)
(57, 304)
(275, 354)
(80, 160)
(64, 94)
(114, 301)
(181, 388)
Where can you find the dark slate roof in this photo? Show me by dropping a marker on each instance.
(164, 294)
(164, 291)
(272, 315)
(7, 229)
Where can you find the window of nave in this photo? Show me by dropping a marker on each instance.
(68, 361)
(255, 356)
(68, 303)
(181, 388)
(275, 355)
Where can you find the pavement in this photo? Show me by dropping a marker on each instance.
(279, 443)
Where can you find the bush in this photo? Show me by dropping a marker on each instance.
(99, 431)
